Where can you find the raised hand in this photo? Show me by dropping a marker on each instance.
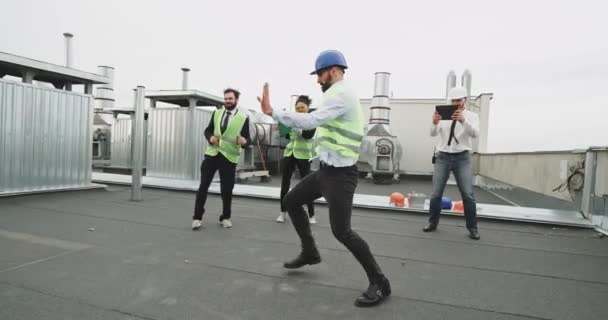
(265, 100)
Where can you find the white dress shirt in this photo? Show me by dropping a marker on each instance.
(463, 132)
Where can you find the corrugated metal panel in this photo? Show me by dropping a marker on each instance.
(201, 120)
(601, 174)
(596, 181)
(121, 143)
(45, 138)
(171, 154)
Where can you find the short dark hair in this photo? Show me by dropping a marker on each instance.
(304, 99)
(234, 91)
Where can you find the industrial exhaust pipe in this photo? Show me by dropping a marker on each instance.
(380, 151)
(185, 78)
(104, 99)
(380, 110)
(450, 82)
(466, 80)
(68, 49)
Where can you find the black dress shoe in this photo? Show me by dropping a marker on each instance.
(430, 228)
(474, 234)
(375, 294)
(303, 259)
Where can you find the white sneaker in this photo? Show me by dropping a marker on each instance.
(312, 220)
(196, 224)
(226, 223)
(281, 217)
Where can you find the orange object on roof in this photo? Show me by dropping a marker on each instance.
(398, 199)
(458, 207)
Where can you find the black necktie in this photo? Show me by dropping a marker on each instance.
(225, 122)
(452, 133)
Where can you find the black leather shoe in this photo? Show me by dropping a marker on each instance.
(305, 258)
(430, 228)
(375, 294)
(474, 234)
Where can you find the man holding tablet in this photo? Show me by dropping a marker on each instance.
(454, 148)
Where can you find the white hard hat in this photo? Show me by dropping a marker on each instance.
(457, 93)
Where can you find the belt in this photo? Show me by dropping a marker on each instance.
(455, 153)
(324, 165)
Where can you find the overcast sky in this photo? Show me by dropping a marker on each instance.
(545, 61)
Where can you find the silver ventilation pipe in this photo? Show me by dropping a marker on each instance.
(380, 110)
(185, 78)
(450, 82)
(68, 49)
(466, 83)
(104, 98)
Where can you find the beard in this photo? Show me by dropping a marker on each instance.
(230, 106)
(326, 86)
(330, 81)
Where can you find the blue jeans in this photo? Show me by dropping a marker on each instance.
(460, 165)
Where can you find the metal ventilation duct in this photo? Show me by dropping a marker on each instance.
(380, 110)
(185, 72)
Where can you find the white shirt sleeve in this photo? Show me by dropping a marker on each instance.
(471, 124)
(331, 109)
(435, 130)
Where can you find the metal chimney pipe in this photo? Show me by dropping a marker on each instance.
(68, 49)
(104, 99)
(450, 82)
(134, 98)
(137, 144)
(466, 83)
(185, 78)
(380, 110)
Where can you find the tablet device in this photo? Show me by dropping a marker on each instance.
(446, 111)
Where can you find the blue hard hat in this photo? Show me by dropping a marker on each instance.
(329, 58)
(446, 203)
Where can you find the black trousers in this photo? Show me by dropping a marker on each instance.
(337, 186)
(227, 170)
(289, 165)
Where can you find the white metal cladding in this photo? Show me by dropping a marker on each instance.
(45, 138)
(171, 153)
(601, 174)
(600, 190)
(201, 120)
(121, 143)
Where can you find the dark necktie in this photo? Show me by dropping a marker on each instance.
(452, 133)
(225, 122)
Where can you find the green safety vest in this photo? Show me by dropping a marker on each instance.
(299, 147)
(226, 144)
(340, 136)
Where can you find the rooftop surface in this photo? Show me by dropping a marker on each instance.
(95, 255)
(423, 184)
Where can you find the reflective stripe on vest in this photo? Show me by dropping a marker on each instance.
(299, 147)
(339, 136)
(227, 145)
